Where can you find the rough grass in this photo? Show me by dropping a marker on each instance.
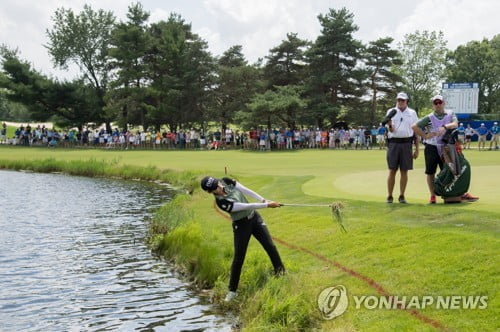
(413, 249)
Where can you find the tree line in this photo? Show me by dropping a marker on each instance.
(136, 73)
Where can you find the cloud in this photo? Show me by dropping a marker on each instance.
(460, 20)
(258, 25)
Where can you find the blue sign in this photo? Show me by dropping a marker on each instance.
(460, 85)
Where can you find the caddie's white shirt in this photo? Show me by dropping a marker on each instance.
(402, 122)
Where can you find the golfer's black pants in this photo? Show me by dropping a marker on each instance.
(243, 229)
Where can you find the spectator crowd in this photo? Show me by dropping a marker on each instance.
(192, 139)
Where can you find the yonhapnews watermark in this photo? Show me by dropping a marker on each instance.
(334, 301)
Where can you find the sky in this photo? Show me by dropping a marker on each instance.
(257, 25)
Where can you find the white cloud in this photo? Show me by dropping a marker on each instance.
(461, 21)
(259, 25)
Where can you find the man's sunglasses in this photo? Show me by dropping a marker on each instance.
(437, 102)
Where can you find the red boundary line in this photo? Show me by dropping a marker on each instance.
(370, 282)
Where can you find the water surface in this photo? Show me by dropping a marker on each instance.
(73, 257)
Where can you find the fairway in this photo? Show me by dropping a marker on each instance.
(389, 249)
(358, 174)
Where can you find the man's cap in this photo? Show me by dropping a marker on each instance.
(437, 97)
(461, 124)
(209, 183)
(482, 124)
(495, 123)
(402, 95)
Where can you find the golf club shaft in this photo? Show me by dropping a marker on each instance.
(307, 205)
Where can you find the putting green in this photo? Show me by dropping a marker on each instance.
(371, 186)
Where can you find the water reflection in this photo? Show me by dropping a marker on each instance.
(72, 257)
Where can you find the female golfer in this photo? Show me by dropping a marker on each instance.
(230, 197)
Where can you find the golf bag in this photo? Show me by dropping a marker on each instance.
(454, 179)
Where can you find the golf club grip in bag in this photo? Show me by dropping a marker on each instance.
(389, 116)
(453, 183)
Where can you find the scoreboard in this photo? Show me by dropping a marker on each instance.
(461, 97)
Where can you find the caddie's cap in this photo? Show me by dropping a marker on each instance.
(209, 183)
(402, 95)
(437, 97)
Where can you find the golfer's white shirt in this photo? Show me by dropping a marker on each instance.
(402, 122)
(237, 206)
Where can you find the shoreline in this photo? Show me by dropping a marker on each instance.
(200, 243)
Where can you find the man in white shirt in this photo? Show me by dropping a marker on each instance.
(399, 149)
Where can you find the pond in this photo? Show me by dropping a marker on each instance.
(73, 257)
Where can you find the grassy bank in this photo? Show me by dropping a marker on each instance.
(413, 250)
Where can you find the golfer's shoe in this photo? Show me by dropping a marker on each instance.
(230, 296)
(389, 199)
(469, 198)
(402, 200)
(432, 200)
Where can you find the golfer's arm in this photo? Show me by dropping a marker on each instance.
(248, 206)
(249, 192)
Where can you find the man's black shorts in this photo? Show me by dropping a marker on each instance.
(400, 156)
(432, 159)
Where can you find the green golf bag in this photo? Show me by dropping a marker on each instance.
(454, 179)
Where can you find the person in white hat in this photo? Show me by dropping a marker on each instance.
(495, 133)
(435, 125)
(399, 148)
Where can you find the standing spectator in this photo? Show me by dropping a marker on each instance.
(469, 132)
(217, 136)
(495, 133)
(399, 152)
(368, 138)
(317, 139)
(3, 133)
(158, 139)
(381, 133)
(254, 138)
(203, 141)
(373, 133)
(461, 133)
(289, 139)
(481, 132)
(228, 137)
(347, 138)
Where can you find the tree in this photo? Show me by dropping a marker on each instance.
(281, 106)
(335, 80)
(72, 102)
(423, 55)
(479, 62)
(286, 62)
(180, 71)
(380, 59)
(236, 84)
(126, 98)
(83, 39)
